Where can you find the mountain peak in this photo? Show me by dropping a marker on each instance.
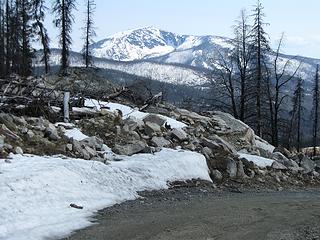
(150, 42)
(136, 44)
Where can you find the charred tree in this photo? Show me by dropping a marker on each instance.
(315, 112)
(260, 46)
(89, 33)
(39, 10)
(64, 19)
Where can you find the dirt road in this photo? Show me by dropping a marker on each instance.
(200, 214)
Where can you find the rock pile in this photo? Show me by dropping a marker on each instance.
(218, 136)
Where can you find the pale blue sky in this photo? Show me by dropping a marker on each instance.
(299, 19)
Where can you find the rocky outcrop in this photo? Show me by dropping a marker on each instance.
(129, 149)
(160, 142)
(155, 119)
(178, 134)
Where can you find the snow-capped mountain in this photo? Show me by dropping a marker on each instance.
(156, 45)
(137, 44)
(163, 46)
(168, 57)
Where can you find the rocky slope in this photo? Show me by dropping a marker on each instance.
(231, 148)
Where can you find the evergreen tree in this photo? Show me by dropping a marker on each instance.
(260, 46)
(315, 111)
(41, 32)
(89, 33)
(64, 19)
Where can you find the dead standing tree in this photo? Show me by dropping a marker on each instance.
(315, 111)
(276, 89)
(222, 79)
(242, 55)
(261, 47)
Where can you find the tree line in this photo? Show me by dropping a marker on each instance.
(22, 23)
(252, 82)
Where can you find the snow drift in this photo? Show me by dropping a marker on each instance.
(36, 192)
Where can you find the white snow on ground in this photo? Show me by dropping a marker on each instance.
(36, 192)
(263, 144)
(128, 111)
(63, 124)
(259, 161)
(76, 134)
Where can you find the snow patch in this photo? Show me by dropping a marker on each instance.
(76, 134)
(129, 111)
(36, 192)
(259, 161)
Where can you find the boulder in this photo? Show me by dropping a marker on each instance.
(93, 142)
(82, 149)
(283, 151)
(2, 140)
(132, 136)
(8, 133)
(38, 124)
(291, 164)
(129, 149)
(160, 142)
(20, 121)
(240, 170)
(216, 143)
(7, 120)
(51, 132)
(249, 164)
(232, 167)
(216, 175)
(307, 164)
(69, 147)
(207, 152)
(315, 174)
(132, 123)
(30, 134)
(24, 130)
(76, 146)
(278, 166)
(190, 147)
(232, 130)
(179, 134)
(89, 152)
(18, 150)
(155, 118)
(279, 157)
(151, 128)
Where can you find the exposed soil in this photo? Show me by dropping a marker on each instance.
(211, 213)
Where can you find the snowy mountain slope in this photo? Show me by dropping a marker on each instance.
(150, 43)
(137, 44)
(169, 57)
(170, 73)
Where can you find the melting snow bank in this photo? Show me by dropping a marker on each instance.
(129, 112)
(36, 192)
(259, 161)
